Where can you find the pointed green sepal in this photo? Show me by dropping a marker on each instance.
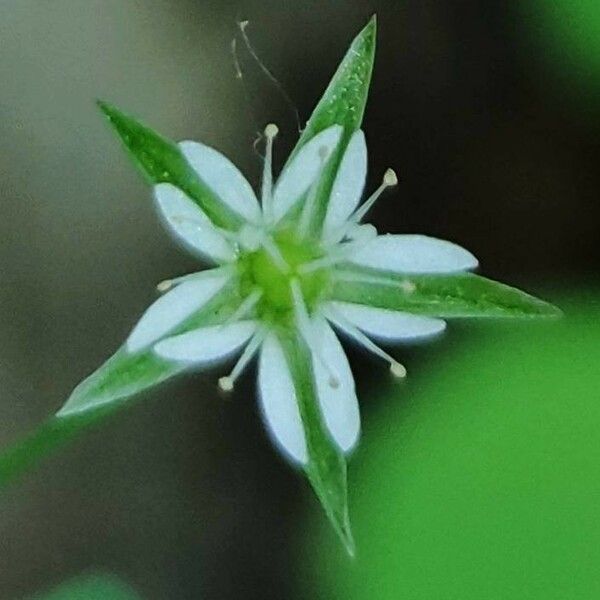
(343, 103)
(457, 295)
(108, 390)
(161, 161)
(326, 468)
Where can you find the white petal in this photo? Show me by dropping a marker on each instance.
(223, 178)
(300, 173)
(278, 401)
(386, 324)
(206, 344)
(189, 223)
(414, 254)
(173, 308)
(339, 405)
(348, 185)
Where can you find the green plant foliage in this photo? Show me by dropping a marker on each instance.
(460, 295)
(326, 469)
(343, 103)
(161, 161)
(481, 478)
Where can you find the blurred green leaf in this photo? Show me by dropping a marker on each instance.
(91, 587)
(343, 103)
(326, 468)
(106, 391)
(161, 161)
(479, 478)
(460, 295)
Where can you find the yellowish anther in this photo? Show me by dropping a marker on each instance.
(164, 286)
(271, 130)
(390, 178)
(226, 384)
(397, 370)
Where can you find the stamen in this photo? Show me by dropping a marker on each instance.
(251, 238)
(271, 247)
(389, 179)
(320, 263)
(271, 131)
(398, 370)
(167, 284)
(227, 383)
(309, 206)
(246, 307)
(307, 331)
(339, 252)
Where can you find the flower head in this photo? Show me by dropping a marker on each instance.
(292, 270)
(283, 265)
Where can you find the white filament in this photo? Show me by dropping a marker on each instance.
(309, 206)
(271, 131)
(227, 382)
(308, 332)
(397, 369)
(246, 307)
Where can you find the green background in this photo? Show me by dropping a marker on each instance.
(481, 477)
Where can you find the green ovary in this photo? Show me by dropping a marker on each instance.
(260, 270)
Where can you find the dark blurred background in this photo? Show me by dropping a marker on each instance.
(490, 113)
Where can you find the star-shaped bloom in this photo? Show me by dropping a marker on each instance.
(293, 270)
(284, 274)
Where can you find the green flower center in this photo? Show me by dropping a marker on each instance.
(260, 270)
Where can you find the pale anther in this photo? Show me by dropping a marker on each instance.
(164, 286)
(167, 284)
(226, 384)
(397, 369)
(389, 179)
(271, 130)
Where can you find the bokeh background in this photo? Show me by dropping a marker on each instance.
(478, 477)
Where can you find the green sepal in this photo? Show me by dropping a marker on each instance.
(326, 468)
(457, 295)
(108, 390)
(161, 161)
(343, 103)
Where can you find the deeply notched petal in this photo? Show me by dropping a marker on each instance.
(414, 254)
(207, 344)
(348, 185)
(223, 178)
(297, 176)
(387, 325)
(189, 223)
(173, 308)
(337, 399)
(278, 401)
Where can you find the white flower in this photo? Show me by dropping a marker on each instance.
(282, 267)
